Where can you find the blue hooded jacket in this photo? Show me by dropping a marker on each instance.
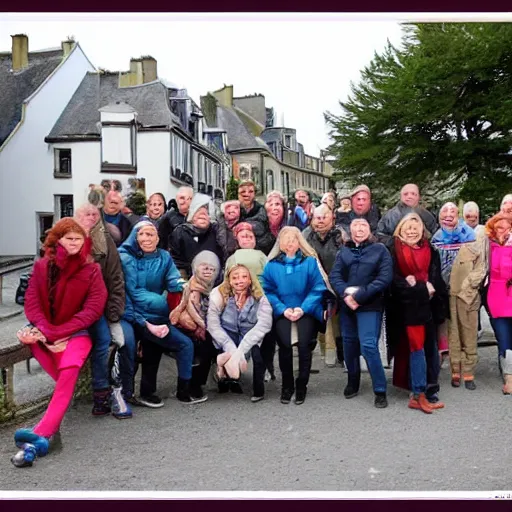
(294, 283)
(147, 276)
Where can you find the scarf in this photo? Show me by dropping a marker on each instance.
(414, 261)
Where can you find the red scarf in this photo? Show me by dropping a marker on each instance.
(414, 261)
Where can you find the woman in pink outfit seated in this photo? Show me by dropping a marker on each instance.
(65, 296)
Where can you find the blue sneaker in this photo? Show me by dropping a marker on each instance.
(24, 436)
(25, 457)
(120, 409)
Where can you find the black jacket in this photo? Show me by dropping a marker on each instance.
(326, 248)
(257, 218)
(413, 302)
(125, 225)
(167, 224)
(343, 219)
(186, 243)
(369, 267)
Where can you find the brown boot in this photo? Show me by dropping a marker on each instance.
(420, 402)
(437, 405)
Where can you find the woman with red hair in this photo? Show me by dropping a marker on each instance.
(499, 294)
(65, 296)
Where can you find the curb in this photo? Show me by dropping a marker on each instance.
(8, 316)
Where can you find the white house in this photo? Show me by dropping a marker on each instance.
(134, 127)
(35, 88)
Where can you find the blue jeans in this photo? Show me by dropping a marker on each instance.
(175, 341)
(503, 330)
(101, 338)
(418, 371)
(360, 331)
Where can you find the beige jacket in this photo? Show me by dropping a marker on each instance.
(468, 271)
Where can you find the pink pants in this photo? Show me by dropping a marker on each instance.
(64, 368)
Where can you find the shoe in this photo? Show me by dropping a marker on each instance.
(286, 396)
(300, 396)
(152, 401)
(25, 457)
(24, 436)
(235, 387)
(101, 406)
(455, 380)
(470, 384)
(350, 392)
(267, 376)
(421, 403)
(330, 358)
(183, 393)
(223, 386)
(133, 400)
(120, 409)
(196, 391)
(381, 401)
(196, 361)
(255, 399)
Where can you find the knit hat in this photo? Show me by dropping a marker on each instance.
(242, 226)
(361, 188)
(198, 201)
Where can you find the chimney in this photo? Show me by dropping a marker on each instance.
(67, 46)
(19, 52)
(149, 69)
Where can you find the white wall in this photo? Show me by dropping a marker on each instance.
(27, 185)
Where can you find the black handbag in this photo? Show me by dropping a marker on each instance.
(22, 288)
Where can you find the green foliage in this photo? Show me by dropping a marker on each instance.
(437, 112)
(232, 189)
(137, 202)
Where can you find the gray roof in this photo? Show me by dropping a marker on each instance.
(15, 88)
(81, 116)
(239, 137)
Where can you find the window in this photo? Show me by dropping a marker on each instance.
(63, 206)
(118, 148)
(288, 141)
(270, 180)
(62, 167)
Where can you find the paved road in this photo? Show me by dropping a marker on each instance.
(329, 443)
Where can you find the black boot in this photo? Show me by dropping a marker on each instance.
(101, 398)
(183, 393)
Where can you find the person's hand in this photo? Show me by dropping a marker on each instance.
(431, 289)
(29, 335)
(351, 302)
(297, 314)
(174, 317)
(411, 280)
(160, 331)
(200, 333)
(288, 313)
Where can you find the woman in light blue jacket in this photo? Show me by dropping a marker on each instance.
(295, 285)
(150, 273)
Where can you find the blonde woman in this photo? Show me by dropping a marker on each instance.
(295, 285)
(239, 316)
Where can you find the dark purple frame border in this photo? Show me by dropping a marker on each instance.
(368, 6)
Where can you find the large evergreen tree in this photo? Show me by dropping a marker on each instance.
(436, 111)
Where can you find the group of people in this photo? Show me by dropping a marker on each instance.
(221, 293)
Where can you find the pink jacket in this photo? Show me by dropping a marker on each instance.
(500, 296)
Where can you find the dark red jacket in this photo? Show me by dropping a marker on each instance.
(79, 298)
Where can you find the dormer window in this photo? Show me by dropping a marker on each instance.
(288, 141)
(118, 138)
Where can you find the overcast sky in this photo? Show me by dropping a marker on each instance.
(302, 64)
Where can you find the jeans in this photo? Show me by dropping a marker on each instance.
(503, 330)
(361, 331)
(307, 328)
(152, 350)
(101, 338)
(418, 371)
